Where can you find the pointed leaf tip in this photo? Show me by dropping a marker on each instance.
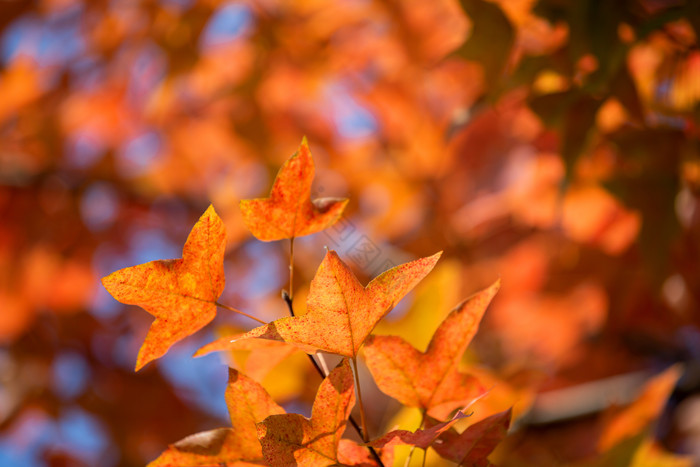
(341, 313)
(435, 383)
(292, 439)
(181, 293)
(289, 212)
(248, 404)
(475, 444)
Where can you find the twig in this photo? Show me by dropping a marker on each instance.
(291, 268)
(230, 308)
(365, 438)
(288, 300)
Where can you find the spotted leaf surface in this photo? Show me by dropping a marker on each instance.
(431, 380)
(341, 313)
(289, 211)
(292, 439)
(248, 404)
(180, 293)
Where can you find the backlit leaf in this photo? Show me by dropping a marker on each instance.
(351, 453)
(180, 293)
(265, 354)
(341, 312)
(474, 444)
(248, 404)
(432, 300)
(431, 380)
(292, 439)
(289, 212)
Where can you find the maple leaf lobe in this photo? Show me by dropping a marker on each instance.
(340, 311)
(431, 380)
(291, 439)
(475, 444)
(289, 211)
(180, 293)
(248, 403)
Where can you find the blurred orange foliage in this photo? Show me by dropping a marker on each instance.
(553, 144)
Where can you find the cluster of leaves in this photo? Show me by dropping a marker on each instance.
(551, 143)
(341, 314)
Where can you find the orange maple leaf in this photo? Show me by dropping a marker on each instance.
(248, 404)
(340, 311)
(431, 380)
(473, 445)
(180, 293)
(293, 439)
(289, 212)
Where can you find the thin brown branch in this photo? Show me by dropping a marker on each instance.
(291, 268)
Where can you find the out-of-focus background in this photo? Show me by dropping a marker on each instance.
(553, 144)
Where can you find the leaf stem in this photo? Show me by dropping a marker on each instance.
(365, 436)
(288, 300)
(230, 308)
(291, 268)
(322, 371)
(371, 449)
